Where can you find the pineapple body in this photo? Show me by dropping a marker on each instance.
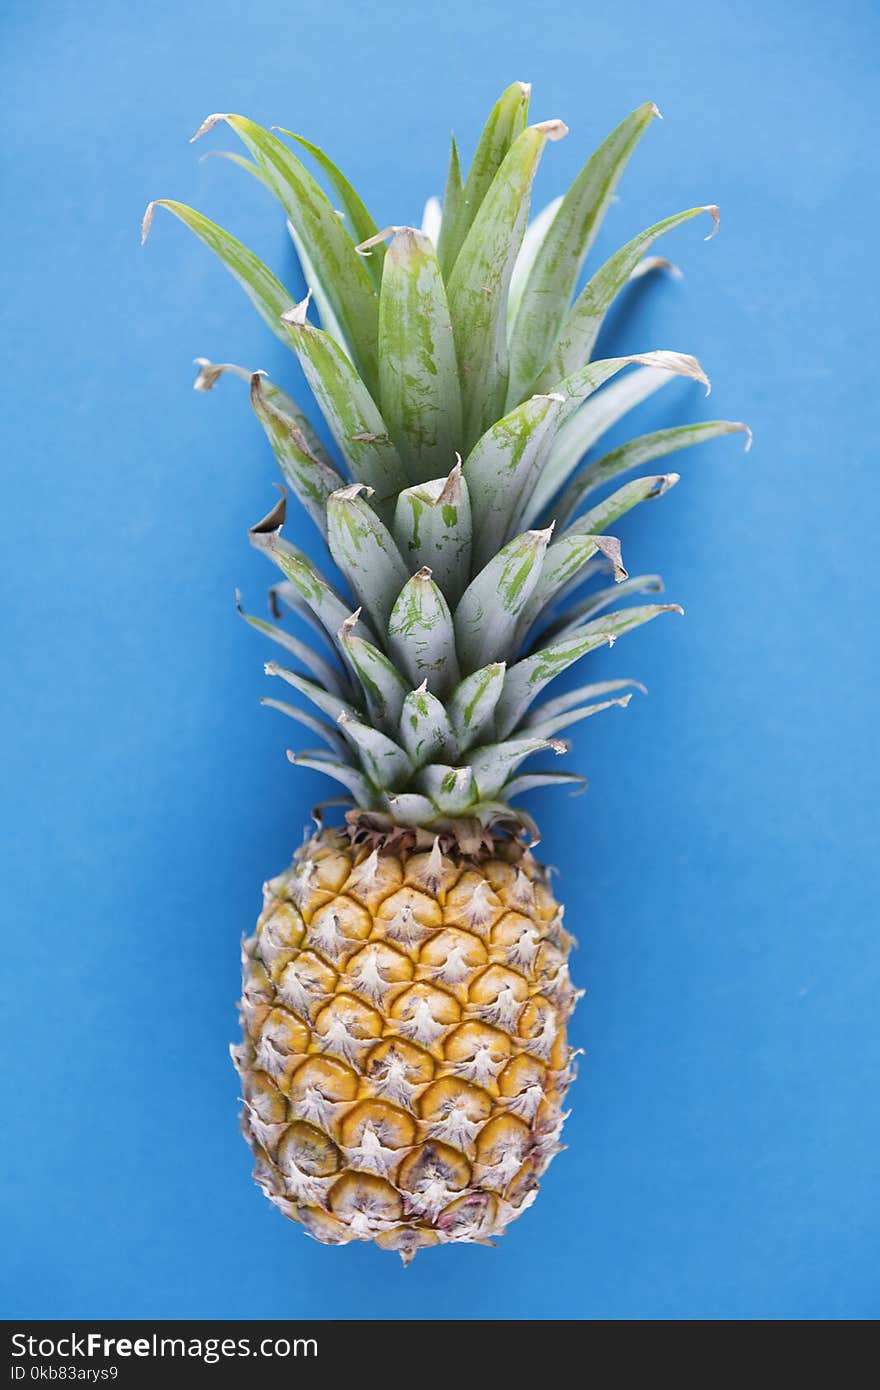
(405, 1059)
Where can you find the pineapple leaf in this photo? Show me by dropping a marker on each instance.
(547, 292)
(432, 527)
(493, 764)
(578, 334)
(506, 121)
(324, 700)
(528, 677)
(425, 730)
(550, 708)
(472, 704)
(329, 677)
(312, 588)
(326, 732)
(210, 373)
(499, 464)
(329, 247)
(422, 635)
(365, 552)
(641, 450)
(451, 205)
(384, 690)
(432, 219)
(547, 728)
(350, 411)
(488, 612)
(602, 598)
(479, 283)
(453, 790)
(383, 761)
(530, 781)
(532, 241)
(361, 223)
(309, 478)
(329, 322)
(408, 808)
(620, 502)
(564, 567)
(263, 289)
(580, 432)
(356, 783)
(418, 376)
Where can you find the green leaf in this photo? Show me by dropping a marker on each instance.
(578, 334)
(493, 764)
(525, 681)
(453, 790)
(324, 700)
(331, 736)
(480, 281)
(488, 612)
(564, 567)
(547, 728)
(506, 121)
(312, 588)
(265, 292)
(501, 462)
(351, 413)
(327, 675)
(384, 690)
(532, 241)
(418, 376)
(411, 809)
(472, 704)
(425, 730)
(548, 290)
(422, 635)
(329, 247)
(550, 708)
(641, 450)
(210, 373)
(365, 552)
(384, 763)
(451, 206)
(360, 222)
(579, 433)
(620, 502)
(308, 477)
(530, 781)
(329, 322)
(356, 783)
(432, 527)
(598, 600)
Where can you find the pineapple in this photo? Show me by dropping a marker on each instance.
(404, 1060)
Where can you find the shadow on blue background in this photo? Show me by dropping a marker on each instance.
(723, 1145)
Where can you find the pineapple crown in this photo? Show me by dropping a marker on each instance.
(453, 370)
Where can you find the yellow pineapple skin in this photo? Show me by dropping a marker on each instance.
(404, 1056)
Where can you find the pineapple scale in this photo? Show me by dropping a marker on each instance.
(404, 1060)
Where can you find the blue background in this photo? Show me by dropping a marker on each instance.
(720, 872)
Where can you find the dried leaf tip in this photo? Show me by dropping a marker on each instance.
(450, 493)
(554, 129)
(715, 215)
(296, 314)
(349, 624)
(272, 522)
(208, 124)
(748, 434)
(655, 110)
(147, 221)
(365, 247)
(352, 491)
